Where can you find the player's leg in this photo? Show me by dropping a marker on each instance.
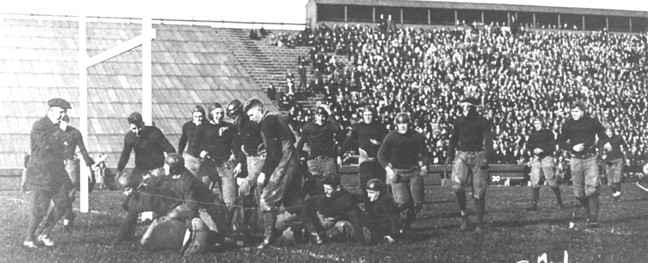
(459, 182)
(228, 189)
(550, 177)
(418, 195)
(536, 171)
(615, 175)
(578, 183)
(592, 186)
(479, 184)
(402, 197)
(317, 171)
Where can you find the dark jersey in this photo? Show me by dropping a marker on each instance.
(403, 150)
(342, 205)
(149, 149)
(191, 190)
(582, 131)
(72, 139)
(251, 138)
(618, 146)
(320, 138)
(218, 140)
(468, 133)
(187, 137)
(384, 215)
(543, 139)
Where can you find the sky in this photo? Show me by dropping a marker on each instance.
(287, 11)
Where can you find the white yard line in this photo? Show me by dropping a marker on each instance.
(315, 255)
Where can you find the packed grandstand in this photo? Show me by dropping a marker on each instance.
(517, 76)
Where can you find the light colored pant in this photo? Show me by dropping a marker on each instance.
(585, 176)
(614, 171)
(192, 163)
(228, 182)
(540, 167)
(408, 188)
(466, 167)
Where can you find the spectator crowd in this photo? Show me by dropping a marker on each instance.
(426, 72)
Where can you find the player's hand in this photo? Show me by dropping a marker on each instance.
(63, 125)
(203, 154)
(374, 142)
(389, 239)
(579, 147)
(261, 179)
(424, 170)
(391, 175)
(537, 151)
(237, 169)
(221, 131)
(608, 147)
(339, 161)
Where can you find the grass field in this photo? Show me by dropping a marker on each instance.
(512, 234)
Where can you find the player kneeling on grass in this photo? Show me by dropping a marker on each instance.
(195, 195)
(382, 211)
(162, 194)
(339, 212)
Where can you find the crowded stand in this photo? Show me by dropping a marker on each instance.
(516, 76)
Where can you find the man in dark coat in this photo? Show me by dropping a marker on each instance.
(45, 174)
(71, 140)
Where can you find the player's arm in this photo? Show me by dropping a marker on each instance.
(304, 138)
(184, 139)
(125, 154)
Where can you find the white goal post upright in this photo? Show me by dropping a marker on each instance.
(83, 114)
(84, 62)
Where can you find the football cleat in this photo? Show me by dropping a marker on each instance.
(45, 240)
(29, 244)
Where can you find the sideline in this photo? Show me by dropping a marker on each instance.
(313, 254)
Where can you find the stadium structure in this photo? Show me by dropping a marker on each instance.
(199, 62)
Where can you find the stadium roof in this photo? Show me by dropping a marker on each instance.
(527, 7)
